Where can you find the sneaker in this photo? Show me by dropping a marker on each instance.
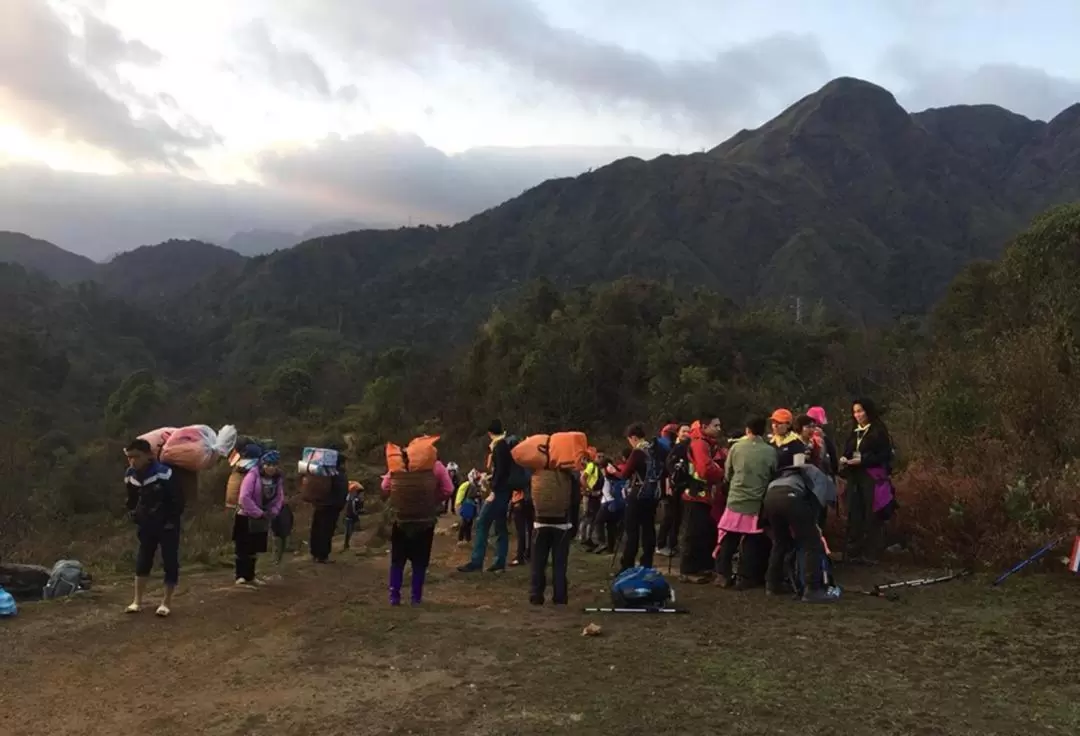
(828, 595)
(723, 581)
(664, 552)
(243, 581)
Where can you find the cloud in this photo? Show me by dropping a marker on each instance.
(735, 86)
(288, 67)
(60, 79)
(1026, 90)
(383, 178)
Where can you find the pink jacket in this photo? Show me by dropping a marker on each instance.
(444, 487)
(250, 491)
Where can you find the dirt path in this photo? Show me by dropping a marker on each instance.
(320, 652)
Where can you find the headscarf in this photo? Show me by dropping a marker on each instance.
(271, 457)
(817, 413)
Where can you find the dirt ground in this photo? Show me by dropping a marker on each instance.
(318, 651)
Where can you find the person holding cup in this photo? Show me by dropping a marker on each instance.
(866, 463)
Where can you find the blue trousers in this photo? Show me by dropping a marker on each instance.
(492, 513)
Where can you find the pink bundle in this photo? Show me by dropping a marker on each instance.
(157, 438)
(197, 447)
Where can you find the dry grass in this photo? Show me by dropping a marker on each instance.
(320, 651)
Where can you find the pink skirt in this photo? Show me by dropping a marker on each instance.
(733, 521)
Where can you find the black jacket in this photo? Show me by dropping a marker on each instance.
(875, 449)
(502, 464)
(154, 498)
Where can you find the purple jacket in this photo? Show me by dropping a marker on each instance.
(250, 492)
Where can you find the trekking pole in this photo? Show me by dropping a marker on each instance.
(880, 590)
(635, 610)
(1035, 557)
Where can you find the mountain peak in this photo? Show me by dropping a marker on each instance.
(849, 109)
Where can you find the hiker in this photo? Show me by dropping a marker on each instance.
(824, 431)
(751, 465)
(792, 506)
(667, 540)
(455, 481)
(324, 516)
(468, 495)
(812, 438)
(704, 481)
(866, 463)
(521, 513)
(281, 527)
(155, 503)
(554, 530)
(612, 505)
(505, 474)
(592, 484)
(262, 495)
(786, 442)
(643, 472)
(411, 540)
(354, 508)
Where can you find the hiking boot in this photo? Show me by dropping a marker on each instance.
(469, 567)
(826, 595)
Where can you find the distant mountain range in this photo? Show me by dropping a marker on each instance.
(844, 199)
(259, 242)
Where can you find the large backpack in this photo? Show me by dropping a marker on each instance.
(678, 467)
(520, 479)
(67, 577)
(651, 487)
(640, 587)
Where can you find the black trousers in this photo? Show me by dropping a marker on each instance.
(323, 525)
(793, 518)
(550, 542)
(699, 539)
(412, 545)
(523, 514)
(753, 551)
(607, 527)
(640, 531)
(668, 536)
(250, 541)
(464, 533)
(153, 537)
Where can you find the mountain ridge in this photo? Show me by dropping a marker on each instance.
(843, 199)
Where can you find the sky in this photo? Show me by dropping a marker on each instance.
(127, 122)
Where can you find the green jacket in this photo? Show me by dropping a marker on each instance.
(751, 465)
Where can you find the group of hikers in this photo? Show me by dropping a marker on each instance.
(746, 512)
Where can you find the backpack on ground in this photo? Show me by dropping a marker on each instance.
(796, 567)
(7, 604)
(67, 577)
(640, 587)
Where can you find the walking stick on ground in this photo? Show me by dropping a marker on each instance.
(1035, 557)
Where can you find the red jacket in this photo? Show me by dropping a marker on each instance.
(702, 453)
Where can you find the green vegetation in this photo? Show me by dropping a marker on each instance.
(773, 270)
